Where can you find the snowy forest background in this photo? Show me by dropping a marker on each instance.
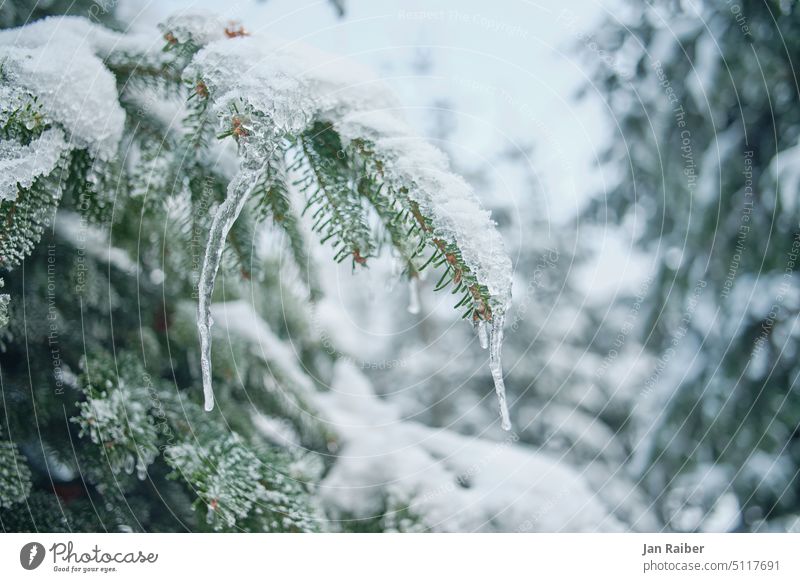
(642, 163)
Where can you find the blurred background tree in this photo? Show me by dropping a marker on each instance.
(704, 135)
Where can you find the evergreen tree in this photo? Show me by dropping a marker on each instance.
(151, 194)
(704, 97)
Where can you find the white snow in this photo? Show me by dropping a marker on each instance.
(20, 165)
(453, 482)
(701, 500)
(276, 430)
(239, 318)
(198, 27)
(94, 241)
(446, 197)
(54, 59)
(785, 169)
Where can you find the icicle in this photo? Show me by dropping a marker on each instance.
(238, 193)
(483, 333)
(413, 295)
(398, 265)
(496, 346)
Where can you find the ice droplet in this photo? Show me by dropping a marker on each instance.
(483, 334)
(495, 365)
(413, 295)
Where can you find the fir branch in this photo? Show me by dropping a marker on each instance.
(338, 212)
(413, 234)
(23, 220)
(273, 200)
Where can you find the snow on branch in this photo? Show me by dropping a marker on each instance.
(334, 124)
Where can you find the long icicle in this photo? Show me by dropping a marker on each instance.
(239, 191)
(495, 365)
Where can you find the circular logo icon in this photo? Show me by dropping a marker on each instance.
(31, 555)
